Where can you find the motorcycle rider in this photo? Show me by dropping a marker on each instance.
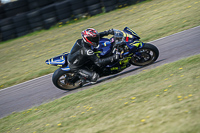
(82, 52)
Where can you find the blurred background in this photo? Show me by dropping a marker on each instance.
(20, 17)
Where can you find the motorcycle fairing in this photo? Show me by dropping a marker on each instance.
(104, 48)
(131, 32)
(119, 66)
(59, 60)
(135, 43)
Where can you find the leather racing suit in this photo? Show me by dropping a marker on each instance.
(81, 53)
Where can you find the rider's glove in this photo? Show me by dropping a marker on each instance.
(110, 31)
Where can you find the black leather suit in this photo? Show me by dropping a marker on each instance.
(81, 53)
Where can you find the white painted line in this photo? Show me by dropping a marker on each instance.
(26, 82)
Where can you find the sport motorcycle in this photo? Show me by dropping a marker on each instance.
(122, 41)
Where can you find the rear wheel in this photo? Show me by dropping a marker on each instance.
(145, 56)
(65, 80)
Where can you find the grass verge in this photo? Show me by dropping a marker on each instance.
(164, 99)
(23, 58)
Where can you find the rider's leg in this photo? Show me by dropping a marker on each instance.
(88, 75)
(85, 74)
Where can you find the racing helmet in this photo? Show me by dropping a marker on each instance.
(91, 37)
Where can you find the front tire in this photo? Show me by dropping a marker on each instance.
(145, 55)
(61, 80)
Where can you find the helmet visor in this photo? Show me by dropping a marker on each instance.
(94, 40)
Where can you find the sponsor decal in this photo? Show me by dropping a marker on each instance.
(90, 52)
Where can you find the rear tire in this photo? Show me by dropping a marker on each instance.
(60, 77)
(148, 54)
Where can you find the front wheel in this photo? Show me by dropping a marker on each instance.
(65, 80)
(145, 55)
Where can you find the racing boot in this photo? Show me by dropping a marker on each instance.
(88, 76)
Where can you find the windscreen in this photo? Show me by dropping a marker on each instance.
(118, 35)
(131, 32)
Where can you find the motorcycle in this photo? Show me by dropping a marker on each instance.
(144, 54)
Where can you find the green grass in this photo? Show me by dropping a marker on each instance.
(23, 58)
(164, 99)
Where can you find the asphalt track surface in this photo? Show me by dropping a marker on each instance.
(41, 90)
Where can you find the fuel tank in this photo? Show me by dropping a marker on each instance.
(104, 48)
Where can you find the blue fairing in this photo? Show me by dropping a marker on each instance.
(131, 32)
(104, 47)
(60, 60)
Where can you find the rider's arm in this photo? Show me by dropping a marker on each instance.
(106, 33)
(100, 62)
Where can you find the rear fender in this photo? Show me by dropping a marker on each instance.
(60, 60)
